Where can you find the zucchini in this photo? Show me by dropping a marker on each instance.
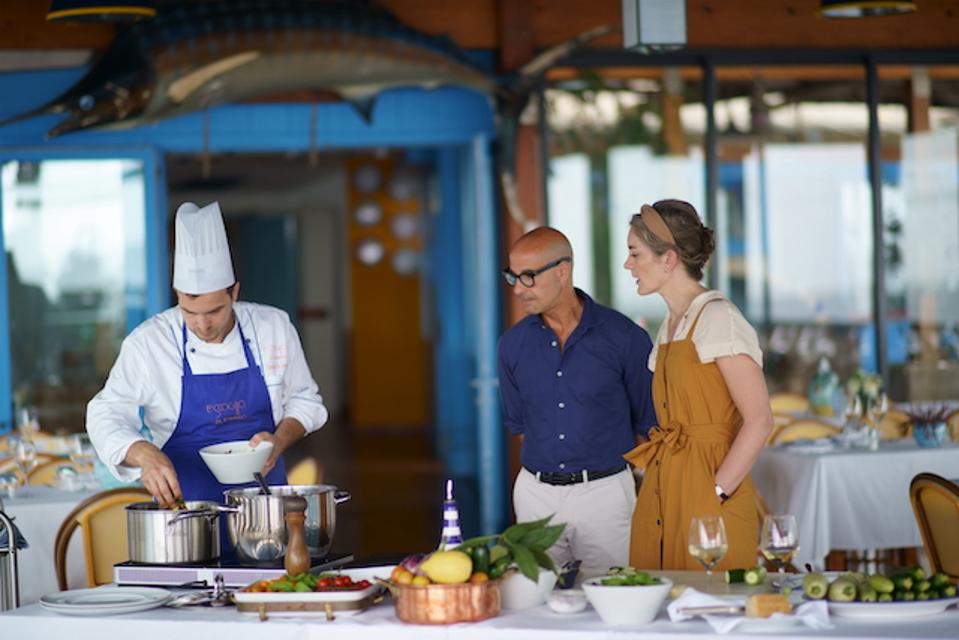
(735, 575)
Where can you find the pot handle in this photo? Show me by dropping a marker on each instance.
(340, 497)
(210, 512)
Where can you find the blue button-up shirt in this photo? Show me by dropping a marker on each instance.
(583, 406)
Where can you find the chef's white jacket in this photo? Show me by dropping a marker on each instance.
(148, 374)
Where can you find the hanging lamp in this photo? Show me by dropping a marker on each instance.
(864, 8)
(100, 10)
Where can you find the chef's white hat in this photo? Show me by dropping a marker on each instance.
(201, 261)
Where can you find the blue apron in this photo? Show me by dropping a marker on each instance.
(215, 408)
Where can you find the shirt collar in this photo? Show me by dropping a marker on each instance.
(587, 320)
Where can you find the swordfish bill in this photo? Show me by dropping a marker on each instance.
(195, 55)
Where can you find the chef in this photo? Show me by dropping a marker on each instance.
(206, 371)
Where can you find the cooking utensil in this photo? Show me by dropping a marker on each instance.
(260, 480)
(166, 536)
(258, 530)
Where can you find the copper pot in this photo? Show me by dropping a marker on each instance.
(447, 603)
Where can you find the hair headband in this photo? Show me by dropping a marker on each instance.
(656, 224)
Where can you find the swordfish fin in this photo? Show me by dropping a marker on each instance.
(364, 107)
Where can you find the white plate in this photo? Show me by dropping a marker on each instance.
(890, 609)
(105, 600)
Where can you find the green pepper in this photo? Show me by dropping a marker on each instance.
(302, 587)
(481, 559)
(815, 586)
(499, 567)
(281, 585)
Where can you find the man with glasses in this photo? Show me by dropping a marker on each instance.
(575, 387)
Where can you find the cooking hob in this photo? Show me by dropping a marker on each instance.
(234, 573)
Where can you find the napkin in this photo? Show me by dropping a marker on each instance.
(4, 538)
(814, 614)
(806, 445)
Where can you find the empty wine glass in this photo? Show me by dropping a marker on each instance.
(707, 542)
(779, 543)
(878, 408)
(26, 457)
(852, 414)
(82, 453)
(28, 422)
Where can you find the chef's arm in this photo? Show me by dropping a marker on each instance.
(287, 432)
(747, 386)
(156, 471)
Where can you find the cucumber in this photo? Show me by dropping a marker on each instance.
(755, 576)
(735, 575)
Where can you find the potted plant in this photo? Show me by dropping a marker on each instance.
(929, 427)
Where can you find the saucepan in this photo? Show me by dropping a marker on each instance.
(173, 536)
(257, 528)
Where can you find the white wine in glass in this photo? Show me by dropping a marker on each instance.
(779, 542)
(707, 542)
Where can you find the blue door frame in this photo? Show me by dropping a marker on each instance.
(456, 123)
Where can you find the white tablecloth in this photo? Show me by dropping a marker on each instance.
(38, 512)
(380, 621)
(849, 498)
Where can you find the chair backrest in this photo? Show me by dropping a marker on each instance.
(788, 403)
(953, 422)
(102, 518)
(935, 501)
(46, 472)
(805, 428)
(306, 471)
(9, 464)
(894, 425)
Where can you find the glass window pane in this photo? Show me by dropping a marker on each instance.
(794, 248)
(75, 244)
(919, 121)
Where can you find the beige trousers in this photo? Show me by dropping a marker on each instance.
(597, 514)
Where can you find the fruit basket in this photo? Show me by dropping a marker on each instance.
(447, 603)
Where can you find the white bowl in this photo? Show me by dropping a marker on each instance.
(519, 592)
(626, 605)
(234, 462)
(566, 600)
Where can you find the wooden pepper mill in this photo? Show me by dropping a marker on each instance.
(297, 558)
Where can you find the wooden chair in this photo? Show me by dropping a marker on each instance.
(9, 464)
(894, 426)
(46, 473)
(935, 501)
(306, 471)
(102, 517)
(780, 420)
(805, 429)
(953, 422)
(788, 403)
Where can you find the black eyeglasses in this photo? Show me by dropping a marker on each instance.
(528, 277)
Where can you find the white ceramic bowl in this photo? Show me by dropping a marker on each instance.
(234, 462)
(519, 592)
(626, 605)
(567, 600)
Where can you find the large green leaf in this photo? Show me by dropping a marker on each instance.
(525, 560)
(520, 529)
(543, 560)
(544, 538)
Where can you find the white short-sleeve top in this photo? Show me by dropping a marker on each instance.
(722, 331)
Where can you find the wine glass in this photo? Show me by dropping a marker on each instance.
(852, 414)
(82, 453)
(878, 408)
(26, 457)
(28, 422)
(779, 543)
(707, 542)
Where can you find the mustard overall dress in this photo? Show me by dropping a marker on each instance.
(697, 424)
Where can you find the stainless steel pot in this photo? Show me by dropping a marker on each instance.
(169, 536)
(258, 530)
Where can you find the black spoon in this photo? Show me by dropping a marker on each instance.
(264, 487)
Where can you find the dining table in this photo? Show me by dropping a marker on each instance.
(848, 498)
(380, 621)
(38, 511)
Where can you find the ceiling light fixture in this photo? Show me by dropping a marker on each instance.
(864, 8)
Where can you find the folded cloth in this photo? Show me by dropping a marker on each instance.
(5, 537)
(814, 614)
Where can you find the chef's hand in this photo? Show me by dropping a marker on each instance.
(287, 432)
(156, 472)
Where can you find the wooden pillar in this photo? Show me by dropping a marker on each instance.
(673, 132)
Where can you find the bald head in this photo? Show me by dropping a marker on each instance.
(545, 243)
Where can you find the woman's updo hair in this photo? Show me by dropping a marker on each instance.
(694, 240)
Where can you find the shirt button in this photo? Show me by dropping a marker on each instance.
(562, 436)
(553, 343)
(658, 522)
(562, 465)
(559, 374)
(192, 349)
(562, 405)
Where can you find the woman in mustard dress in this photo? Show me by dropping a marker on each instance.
(711, 401)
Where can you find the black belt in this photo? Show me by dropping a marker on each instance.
(574, 477)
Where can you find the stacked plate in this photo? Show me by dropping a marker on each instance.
(104, 601)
